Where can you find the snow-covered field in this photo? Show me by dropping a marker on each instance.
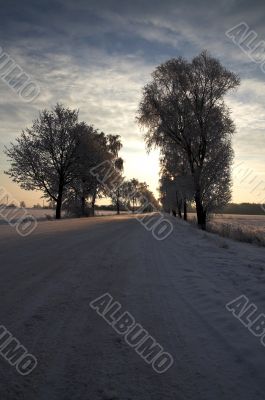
(177, 289)
(256, 221)
(39, 214)
(14, 214)
(245, 228)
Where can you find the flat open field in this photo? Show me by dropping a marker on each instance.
(252, 223)
(39, 214)
(257, 221)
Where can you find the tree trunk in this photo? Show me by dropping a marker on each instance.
(93, 203)
(83, 205)
(118, 206)
(201, 214)
(179, 205)
(59, 205)
(118, 203)
(179, 212)
(185, 209)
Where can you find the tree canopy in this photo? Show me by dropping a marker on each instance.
(183, 107)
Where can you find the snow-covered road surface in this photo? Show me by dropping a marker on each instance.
(176, 288)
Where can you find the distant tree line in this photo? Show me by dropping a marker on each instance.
(56, 156)
(132, 195)
(186, 117)
(244, 208)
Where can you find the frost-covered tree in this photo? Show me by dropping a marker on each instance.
(44, 156)
(116, 192)
(94, 149)
(184, 102)
(56, 156)
(135, 196)
(175, 176)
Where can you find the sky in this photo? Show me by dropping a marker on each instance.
(96, 56)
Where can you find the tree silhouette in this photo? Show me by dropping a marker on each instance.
(185, 103)
(43, 157)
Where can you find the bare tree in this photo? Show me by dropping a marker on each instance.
(94, 149)
(116, 193)
(168, 196)
(43, 157)
(84, 186)
(135, 190)
(174, 168)
(185, 102)
(136, 196)
(22, 204)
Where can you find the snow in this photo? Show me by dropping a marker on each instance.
(257, 221)
(38, 214)
(177, 289)
(254, 222)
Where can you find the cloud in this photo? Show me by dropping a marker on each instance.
(97, 56)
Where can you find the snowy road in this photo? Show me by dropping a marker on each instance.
(177, 289)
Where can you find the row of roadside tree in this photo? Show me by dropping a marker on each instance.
(184, 113)
(56, 156)
(183, 109)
